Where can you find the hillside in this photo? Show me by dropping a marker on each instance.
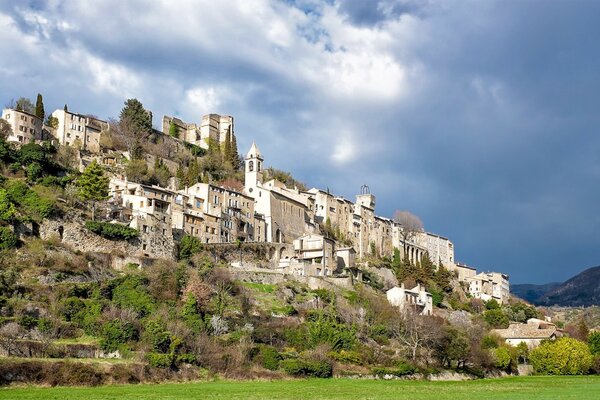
(532, 292)
(581, 290)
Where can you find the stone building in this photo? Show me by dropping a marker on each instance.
(216, 127)
(82, 131)
(25, 127)
(415, 299)
(439, 248)
(147, 209)
(532, 333)
(188, 132)
(318, 251)
(288, 213)
(489, 285)
(234, 209)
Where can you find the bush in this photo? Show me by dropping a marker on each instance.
(268, 357)
(189, 246)
(8, 239)
(159, 360)
(565, 356)
(496, 318)
(115, 333)
(403, 369)
(317, 369)
(112, 231)
(132, 293)
(504, 360)
(347, 357)
(594, 342)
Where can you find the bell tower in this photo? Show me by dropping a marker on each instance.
(253, 169)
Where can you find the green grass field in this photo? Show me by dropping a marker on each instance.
(530, 388)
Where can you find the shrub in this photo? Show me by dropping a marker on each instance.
(594, 342)
(115, 333)
(403, 369)
(189, 246)
(112, 231)
(159, 360)
(71, 307)
(298, 367)
(8, 239)
(132, 293)
(268, 357)
(565, 356)
(346, 356)
(504, 360)
(496, 318)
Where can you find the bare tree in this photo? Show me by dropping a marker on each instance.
(126, 135)
(416, 332)
(410, 225)
(10, 334)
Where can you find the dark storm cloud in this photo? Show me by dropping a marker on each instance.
(480, 117)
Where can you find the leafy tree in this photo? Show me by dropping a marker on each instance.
(492, 304)
(5, 129)
(115, 333)
(32, 152)
(24, 104)
(52, 121)
(496, 318)
(39, 107)
(93, 185)
(565, 356)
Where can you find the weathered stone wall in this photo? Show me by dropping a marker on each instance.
(71, 231)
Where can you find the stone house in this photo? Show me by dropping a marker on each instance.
(416, 299)
(531, 333)
(439, 248)
(489, 285)
(234, 209)
(25, 127)
(318, 251)
(82, 131)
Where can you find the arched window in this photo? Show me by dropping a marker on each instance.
(251, 166)
(258, 166)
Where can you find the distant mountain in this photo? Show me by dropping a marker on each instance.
(581, 290)
(532, 293)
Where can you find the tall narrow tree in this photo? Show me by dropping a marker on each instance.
(65, 108)
(235, 156)
(227, 149)
(39, 107)
(93, 185)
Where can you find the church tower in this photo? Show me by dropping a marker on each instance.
(253, 167)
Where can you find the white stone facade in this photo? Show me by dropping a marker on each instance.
(79, 130)
(25, 127)
(415, 299)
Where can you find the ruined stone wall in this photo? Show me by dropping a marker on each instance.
(71, 231)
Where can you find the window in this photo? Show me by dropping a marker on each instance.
(250, 166)
(7, 116)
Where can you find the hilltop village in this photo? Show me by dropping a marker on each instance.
(318, 233)
(169, 250)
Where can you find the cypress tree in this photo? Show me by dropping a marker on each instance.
(39, 107)
(65, 108)
(235, 156)
(227, 149)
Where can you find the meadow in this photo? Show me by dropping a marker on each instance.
(530, 388)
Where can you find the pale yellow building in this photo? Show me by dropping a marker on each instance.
(25, 127)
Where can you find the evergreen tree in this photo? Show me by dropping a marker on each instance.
(93, 185)
(235, 156)
(135, 113)
(65, 108)
(227, 149)
(39, 107)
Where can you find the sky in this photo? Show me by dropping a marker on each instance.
(480, 117)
